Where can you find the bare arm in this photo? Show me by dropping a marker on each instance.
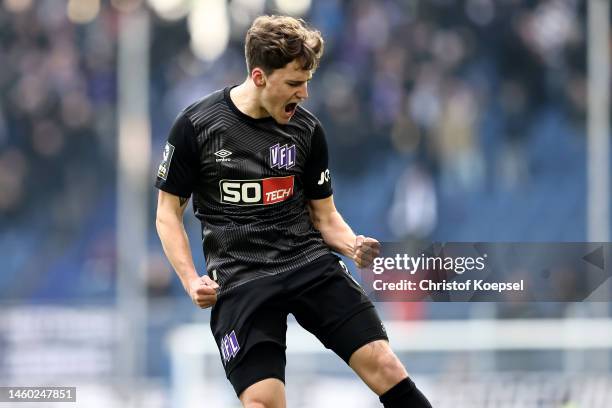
(171, 231)
(339, 236)
(335, 231)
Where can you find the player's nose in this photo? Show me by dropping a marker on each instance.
(302, 93)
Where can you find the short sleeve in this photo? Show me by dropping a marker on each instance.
(317, 181)
(177, 172)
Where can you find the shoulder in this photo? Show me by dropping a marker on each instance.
(306, 119)
(205, 109)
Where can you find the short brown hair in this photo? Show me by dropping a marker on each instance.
(274, 41)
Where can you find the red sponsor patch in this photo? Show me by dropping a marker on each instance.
(277, 189)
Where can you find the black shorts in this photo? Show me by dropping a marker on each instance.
(249, 323)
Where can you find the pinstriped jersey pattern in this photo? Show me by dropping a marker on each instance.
(243, 243)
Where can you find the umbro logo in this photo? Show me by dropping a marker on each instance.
(223, 155)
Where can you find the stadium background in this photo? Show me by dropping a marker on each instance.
(446, 121)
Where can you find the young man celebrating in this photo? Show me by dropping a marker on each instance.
(255, 163)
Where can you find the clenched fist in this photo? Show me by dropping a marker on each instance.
(366, 249)
(203, 291)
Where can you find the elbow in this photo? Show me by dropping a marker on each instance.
(159, 222)
(324, 221)
(162, 220)
(321, 225)
(317, 222)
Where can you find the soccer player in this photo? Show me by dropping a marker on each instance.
(255, 163)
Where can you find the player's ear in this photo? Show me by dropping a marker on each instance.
(258, 77)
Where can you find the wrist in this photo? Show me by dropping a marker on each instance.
(188, 281)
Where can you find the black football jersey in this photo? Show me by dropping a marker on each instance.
(249, 179)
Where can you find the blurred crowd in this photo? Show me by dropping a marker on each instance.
(441, 113)
(57, 87)
(57, 134)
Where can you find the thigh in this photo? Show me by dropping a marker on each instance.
(245, 319)
(260, 376)
(336, 310)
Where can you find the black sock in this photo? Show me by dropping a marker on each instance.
(404, 394)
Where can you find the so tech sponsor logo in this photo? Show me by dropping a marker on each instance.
(229, 346)
(266, 191)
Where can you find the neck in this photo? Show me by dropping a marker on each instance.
(246, 98)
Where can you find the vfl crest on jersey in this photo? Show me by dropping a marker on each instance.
(229, 346)
(164, 166)
(266, 191)
(282, 156)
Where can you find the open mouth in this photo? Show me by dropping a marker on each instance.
(290, 107)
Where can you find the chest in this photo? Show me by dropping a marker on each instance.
(253, 151)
